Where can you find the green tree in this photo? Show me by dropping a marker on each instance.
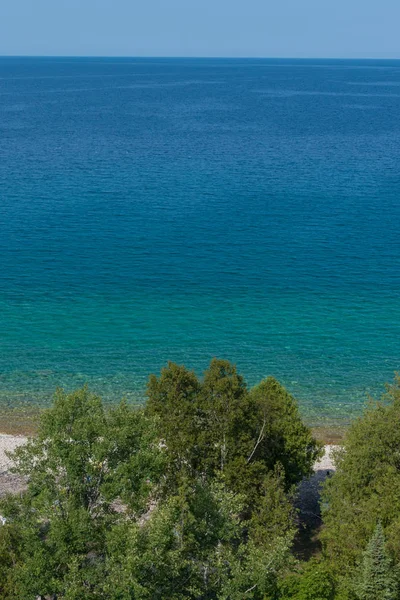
(312, 581)
(366, 486)
(283, 437)
(173, 400)
(316, 583)
(10, 553)
(81, 466)
(172, 554)
(273, 515)
(377, 577)
(194, 545)
(218, 426)
(188, 498)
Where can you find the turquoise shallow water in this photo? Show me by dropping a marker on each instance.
(183, 209)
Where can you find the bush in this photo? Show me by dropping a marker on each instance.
(314, 581)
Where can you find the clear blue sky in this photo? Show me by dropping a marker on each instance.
(280, 28)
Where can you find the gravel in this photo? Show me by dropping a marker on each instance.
(9, 482)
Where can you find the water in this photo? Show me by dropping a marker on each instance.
(161, 209)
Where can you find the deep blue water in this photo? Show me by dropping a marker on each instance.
(155, 209)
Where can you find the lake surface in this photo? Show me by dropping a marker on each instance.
(169, 209)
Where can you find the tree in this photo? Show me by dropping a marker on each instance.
(10, 552)
(311, 581)
(173, 400)
(283, 436)
(316, 583)
(187, 498)
(194, 545)
(377, 576)
(83, 461)
(366, 486)
(218, 427)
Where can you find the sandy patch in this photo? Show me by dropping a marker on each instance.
(326, 462)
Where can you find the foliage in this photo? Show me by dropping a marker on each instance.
(192, 547)
(377, 576)
(191, 498)
(10, 552)
(287, 439)
(187, 498)
(316, 583)
(217, 426)
(273, 515)
(313, 581)
(82, 461)
(366, 486)
(84, 457)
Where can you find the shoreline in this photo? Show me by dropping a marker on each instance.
(328, 435)
(11, 483)
(24, 422)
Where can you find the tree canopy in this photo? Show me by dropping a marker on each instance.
(186, 498)
(217, 426)
(366, 487)
(377, 576)
(190, 497)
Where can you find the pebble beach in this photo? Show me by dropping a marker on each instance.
(9, 482)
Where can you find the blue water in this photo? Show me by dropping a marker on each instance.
(155, 209)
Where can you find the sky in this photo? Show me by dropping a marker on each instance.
(226, 28)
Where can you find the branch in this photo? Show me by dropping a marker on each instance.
(260, 437)
(250, 589)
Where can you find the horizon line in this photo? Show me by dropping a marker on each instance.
(199, 57)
